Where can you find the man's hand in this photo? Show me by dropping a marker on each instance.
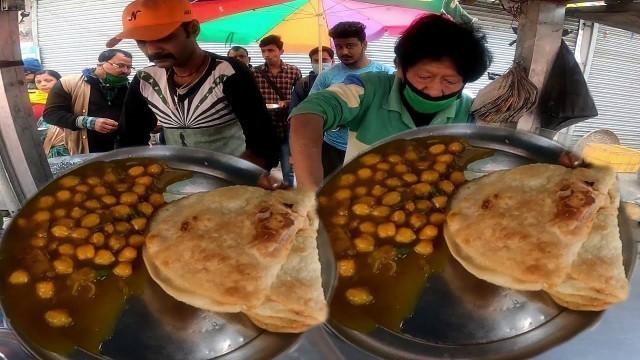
(283, 104)
(269, 182)
(105, 126)
(571, 160)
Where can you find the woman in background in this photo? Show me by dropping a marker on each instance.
(53, 138)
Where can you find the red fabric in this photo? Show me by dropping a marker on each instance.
(38, 109)
(213, 9)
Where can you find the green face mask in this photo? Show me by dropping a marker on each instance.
(426, 104)
(115, 81)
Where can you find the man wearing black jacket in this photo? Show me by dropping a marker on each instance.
(200, 99)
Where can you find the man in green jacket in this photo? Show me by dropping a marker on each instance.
(436, 58)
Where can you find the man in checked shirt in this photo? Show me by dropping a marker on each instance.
(276, 81)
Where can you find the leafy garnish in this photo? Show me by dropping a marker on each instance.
(402, 252)
(101, 274)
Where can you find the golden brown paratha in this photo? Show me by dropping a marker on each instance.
(523, 228)
(222, 250)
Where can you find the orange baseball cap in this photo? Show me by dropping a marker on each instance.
(152, 19)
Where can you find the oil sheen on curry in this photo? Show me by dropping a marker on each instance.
(72, 256)
(383, 213)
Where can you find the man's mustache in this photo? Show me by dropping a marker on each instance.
(161, 57)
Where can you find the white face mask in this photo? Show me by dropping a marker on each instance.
(325, 66)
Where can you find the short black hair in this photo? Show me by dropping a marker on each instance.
(349, 29)
(51, 73)
(110, 53)
(326, 49)
(272, 40)
(236, 49)
(435, 37)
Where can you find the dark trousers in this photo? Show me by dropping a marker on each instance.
(332, 158)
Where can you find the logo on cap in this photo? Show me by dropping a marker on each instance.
(134, 15)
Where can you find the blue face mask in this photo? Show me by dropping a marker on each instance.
(325, 66)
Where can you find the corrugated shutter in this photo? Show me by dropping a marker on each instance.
(615, 86)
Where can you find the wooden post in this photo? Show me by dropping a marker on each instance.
(21, 150)
(539, 35)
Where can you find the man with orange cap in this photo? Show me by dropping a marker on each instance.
(201, 99)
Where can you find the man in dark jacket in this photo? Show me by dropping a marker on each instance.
(90, 104)
(303, 87)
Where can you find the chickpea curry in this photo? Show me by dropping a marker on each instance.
(384, 213)
(72, 255)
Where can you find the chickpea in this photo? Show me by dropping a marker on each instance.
(80, 233)
(411, 155)
(398, 217)
(19, 277)
(423, 165)
(69, 181)
(92, 204)
(66, 250)
(340, 220)
(45, 289)
(421, 189)
(455, 148)
(457, 178)
(353, 224)
(424, 247)
(359, 296)
(121, 211)
(341, 194)
(63, 265)
(386, 230)
(110, 177)
(378, 190)
(391, 198)
(136, 171)
(77, 213)
(97, 239)
(370, 159)
(60, 213)
(21, 222)
(437, 218)
(93, 181)
(440, 202)
(123, 269)
(45, 202)
(121, 187)
(410, 206)
(364, 173)
(140, 190)
(424, 205)
(60, 231)
(364, 243)
(155, 169)
(446, 186)
(417, 220)
(104, 257)
(381, 211)
(393, 182)
(322, 201)
(405, 235)
(361, 191)
(361, 209)
(90, 220)
(39, 242)
(79, 198)
(383, 166)
(116, 242)
(445, 158)
(42, 216)
(82, 188)
(346, 267)
(109, 228)
(430, 176)
(367, 200)
(410, 178)
(367, 227)
(58, 318)
(136, 240)
(347, 180)
(380, 175)
(437, 149)
(147, 210)
(156, 200)
(441, 168)
(144, 180)
(401, 169)
(63, 195)
(100, 191)
(428, 232)
(139, 224)
(394, 159)
(122, 227)
(85, 252)
(129, 198)
(127, 254)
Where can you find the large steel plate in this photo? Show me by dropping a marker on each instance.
(462, 317)
(156, 326)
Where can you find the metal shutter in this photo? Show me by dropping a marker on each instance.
(615, 86)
